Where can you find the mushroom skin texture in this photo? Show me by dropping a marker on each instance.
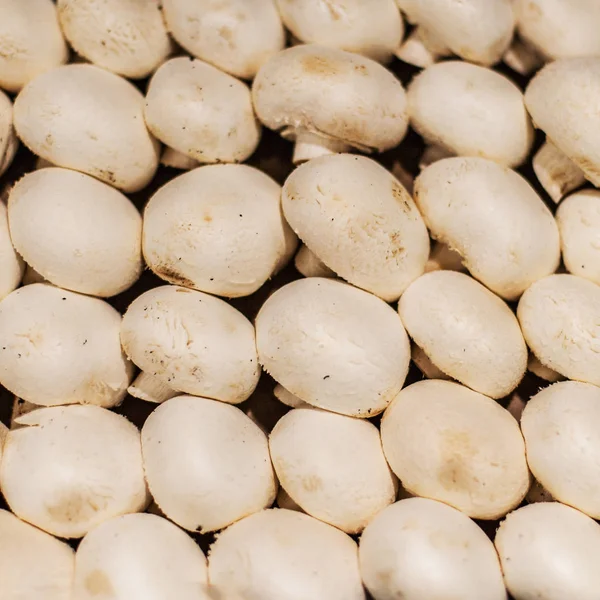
(32, 42)
(87, 119)
(559, 317)
(11, 264)
(333, 346)
(207, 463)
(218, 229)
(410, 540)
(8, 139)
(139, 556)
(470, 110)
(192, 342)
(71, 468)
(549, 551)
(236, 36)
(332, 466)
(449, 443)
(373, 29)
(76, 232)
(33, 564)
(281, 554)
(58, 347)
(359, 220)
(201, 112)
(328, 100)
(467, 331)
(486, 213)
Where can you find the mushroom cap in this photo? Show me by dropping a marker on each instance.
(578, 219)
(218, 229)
(470, 111)
(202, 112)
(193, 342)
(333, 93)
(207, 463)
(77, 232)
(11, 264)
(559, 316)
(32, 41)
(333, 345)
(127, 37)
(359, 220)
(487, 213)
(549, 550)
(8, 139)
(332, 466)
(281, 554)
(71, 468)
(561, 99)
(466, 330)
(374, 29)
(58, 347)
(419, 548)
(449, 443)
(84, 118)
(237, 36)
(139, 556)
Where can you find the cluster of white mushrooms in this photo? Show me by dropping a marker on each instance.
(346, 473)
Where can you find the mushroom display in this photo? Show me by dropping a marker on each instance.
(8, 139)
(11, 265)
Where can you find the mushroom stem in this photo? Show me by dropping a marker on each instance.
(425, 365)
(149, 388)
(522, 57)
(558, 174)
(177, 160)
(433, 153)
(312, 145)
(286, 397)
(310, 265)
(420, 49)
(542, 371)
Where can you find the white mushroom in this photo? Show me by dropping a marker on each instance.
(327, 100)
(307, 263)
(487, 213)
(58, 347)
(549, 551)
(137, 557)
(73, 467)
(420, 548)
(202, 112)
(470, 110)
(8, 139)
(84, 118)
(359, 220)
(207, 463)
(284, 555)
(218, 229)
(237, 36)
(11, 264)
(449, 443)
(333, 346)
(192, 342)
(32, 42)
(287, 398)
(33, 564)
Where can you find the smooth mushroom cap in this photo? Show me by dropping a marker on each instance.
(419, 548)
(193, 342)
(218, 229)
(333, 93)
(466, 330)
(549, 550)
(71, 468)
(559, 317)
(139, 556)
(207, 463)
(237, 36)
(32, 42)
(333, 345)
(281, 554)
(33, 564)
(202, 112)
(76, 232)
(8, 139)
(359, 220)
(84, 118)
(449, 443)
(470, 111)
(11, 264)
(58, 347)
(332, 466)
(374, 29)
(487, 213)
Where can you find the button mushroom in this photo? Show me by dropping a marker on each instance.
(11, 265)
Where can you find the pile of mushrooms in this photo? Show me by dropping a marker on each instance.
(299, 300)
